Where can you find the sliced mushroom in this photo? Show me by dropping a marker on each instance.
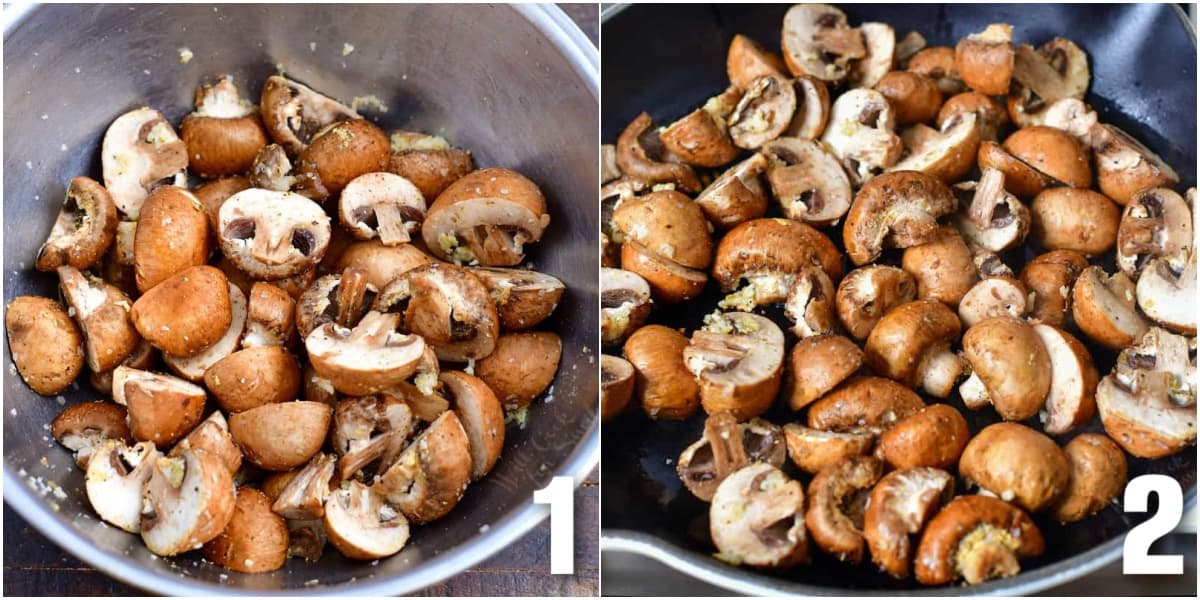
(1099, 472)
(976, 538)
(382, 264)
(702, 138)
(1019, 178)
(1075, 219)
(254, 541)
(83, 428)
(362, 525)
(933, 437)
(115, 477)
(1156, 222)
(818, 364)
(187, 502)
(810, 304)
(669, 281)
(993, 297)
(162, 408)
(879, 40)
(897, 210)
(272, 235)
(281, 435)
(212, 436)
(624, 304)
(747, 60)
(757, 518)
(616, 386)
(431, 475)
(186, 313)
(663, 385)
(725, 447)
(1008, 368)
(861, 134)
(900, 505)
(770, 254)
(84, 229)
(1049, 279)
(990, 117)
(447, 306)
(140, 153)
(1148, 404)
(1053, 152)
(431, 166)
(172, 235)
(813, 450)
(307, 490)
(486, 217)
(669, 224)
(947, 153)
(252, 377)
(985, 60)
(864, 405)
(938, 63)
(994, 220)
(1124, 166)
(1072, 116)
(737, 195)
(943, 268)
(102, 312)
(764, 112)
(224, 133)
(911, 344)
(371, 357)
(521, 367)
(818, 42)
(635, 160)
(1016, 464)
(194, 367)
(1071, 402)
(1105, 309)
(738, 360)
(807, 181)
(381, 205)
(837, 503)
(369, 429)
(294, 113)
(867, 293)
(1167, 296)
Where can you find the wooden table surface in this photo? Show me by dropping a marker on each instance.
(35, 566)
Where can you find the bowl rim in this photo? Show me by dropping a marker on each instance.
(739, 580)
(584, 58)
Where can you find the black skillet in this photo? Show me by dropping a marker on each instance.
(667, 59)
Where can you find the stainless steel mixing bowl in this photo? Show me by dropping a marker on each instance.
(516, 84)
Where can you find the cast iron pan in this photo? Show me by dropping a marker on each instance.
(668, 59)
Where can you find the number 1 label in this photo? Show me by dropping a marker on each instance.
(560, 495)
(1138, 560)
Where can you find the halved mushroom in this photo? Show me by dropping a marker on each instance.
(747, 60)
(663, 384)
(281, 435)
(482, 418)
(1072, 116)
(85, 228)
(616, 386)
(1099, 472)
(428, 162)
(813, 450)
(1056, 71)
(837, 502)
(1168, 296)
(1049, 278)
(1157, 222)
(362, 524)
(938, 64)
(162, 408)
(993, 297)
(915, 98)
(770, 254)
(1008, 368)
(1016, 464)
(908, 46)
(738, 360)
(669, 281)
(867, 293)
(272, 235)
(818, 42)
(812, 108)
(172, 235)
(1148, 405)
(382, 264)
(702, 138)
(369, 429)
(1072, 399)
(431, 475)
(253, 377)
(985, 60)
(270, 316)
(757, 518)
(990, 117)
(1124, 166)
(1105, 309)
(807, 181)
(899, 506)
(1019, 178)
(115, 477)
(102, 312)
(861, 134)
(188, 501)
(1053, 152)
(947, 153)
(911, 344)
(521, 367)
(818, 364)
(83, 428)
(342, 298)
(896, 210)
(486, 217)
(381, 205)
(624, 304)
(665, 241)
(212, 194)
(943, 268)
(212, 436)
(144, 356)
(194, 367)
(371, 357)
(737, 195)
(810, 304)
(447, 306)
(725, 447)
(976, 538)
(994, 220)
(935, 436)
(307, 490)
(523, 298)
(254, 541)
(186, 313)
(864, 405)
(1075, 219)
(879, 39)
(294, 113)
(140, 153)
(764, 112)
(224, 133)
(635, 160)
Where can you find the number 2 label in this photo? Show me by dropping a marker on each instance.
(560, 495)
(1138, 560)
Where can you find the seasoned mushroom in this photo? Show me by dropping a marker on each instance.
(431, 475)
(272, 170)
(938, 64)
(144, 356)
(976, 538)
(933, 437)
(115, 478)
(362, 525)
(810, 304)
(172, 235)
(252, 377)
(523, 298)
(294, 113)
(818, 364)
(738, 360)
(1019, 177)
(770, 255)
(84, 230)
(665, 240)
(212, 436)
(212, 194)
(270, 316)
(725, 447)
(757, 518)
(371, 357)
(861, 134)
(140, 153)
(1156, 222)
(486, 217)
(447, 306)
(994, 219)
(381, 205)
(1016, 464)
(943, 268)
(83, 428)
(187, 502)
(224, 133)
(1148, 405)
(911, 344)
(896, 210)
(186, 313)
(947, 153)
(303, 496)
(272, 235)
(1056, 71)
(255, 540)
(521, 367)
(993, 297)
(1098, 474)
(747, 60)
(1075, 219)
(1008, 368)
(382, 264)
(162, 408)
(985, 60)
(990, 117)
(624, 304)
(281, 435)
(914, 97)
(812, 108)
(669, 281)
(635, 160)
(1124, 166)
(899, 506)
(1072, 116)
(194, 367)
(1168, 295)
(818, 42)
(616, 386)
(482, 418)
(1071, 402)
(1053, 152)
(1104, 308)
(369, 429)
(880, 42)
(663, 385)
(867, 293)
(764, 112)
(1049, 279)
(102, 312)
(837, 501)
(864, 405)
(702, 138)
(812, 450)
(737, 195)
(807, 181)
(428, 162)
(340, 298)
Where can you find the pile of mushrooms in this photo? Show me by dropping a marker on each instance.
(837, 423)
(271, 380)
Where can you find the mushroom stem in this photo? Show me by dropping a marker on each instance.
(990, 186)
(392, 228)
(352, 291)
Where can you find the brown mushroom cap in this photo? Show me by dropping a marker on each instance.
(1049, 278)
(943, 268)
(188, 501)
(193, 367)
(635, 161)
(1054, 152)
(1019, 177)
(293, 113)
(990, 117)
(864, 404)
(487, 216)
(616, 386)
(757, 518)
(1017, 464)
(521, 367)
(1071, 401)
(818, 364)
(141, 152)
(985, 60)
(899, 506)
(738, 360)
(810, 304)
(812, 108)
(818, 42)
(1124, 166)
(281, 435)
(212, 194)
(669, 224)
(911, 344)
(212, 436)
(1104, 308)
(363, 525)
(1008, 363)
(381, 205)
(933, 437)
(867, 293)
(772, 249)
(881, 57)
(861, 134)
(1098, 474)
(272, 235)
(523, 298)
(725, 447)
(447, 306)
(669, 281)
(432, 170)
(947, 153)
(85, 228)
(836, 503)
(270, 316)
(253, 377)
(366, 430)
(1156, 223)
(301, 494)
(1075, 219)
(342, 298)
(102, 312)
(663, 385)
(162, 408)
(976, 538)
(915, 97)
(224, 133)
(172, 235)
(747, 60)
(255, 540)
(482, 418)
(937, 63)
(338, 154)
(807, 181)
(82, 428)
(624, 304)
(737, 195)
(431, 475)
(701, 138)
(160, 317)
(813, 449)
(382, 264)
(1148, 404)
(898, 210)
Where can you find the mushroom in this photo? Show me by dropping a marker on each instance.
(1156, 222)
(938, 63)
(381, 205)
(879, 40)
(523, 298)
(818, 42)
(663, 384)
(994, 219)
(864, 405)
(272, 235)
(224, 133)
(431, 475)
(1008, 368)
(911, 344)
(669, 281)
(837, 502)
(616, 386)
(1148, 404)
(172, 235)
(83, 428)
(909, 45)
(702, 138)
(1056, 71)
(737, 358)
(1166, 294)
(725, 447)
(762, 114)
(339, 298)
(1098, 475)
(1019, 178)
(281, 435)
(102, 312)
(116, 475)
(943, 268)
(521, 367)
(947, 153)
(482, 418)
(212, 436)
(306, 491)
(270, 316)
(664, 230)
(366, 430)
(486, 217)
(624, 304)
(293, 113)
(1049, 278)
(1053, 152)
(1016, 464)
(194, 367)
(818, 364)
(770, 254)
(188, 501)
(368, 358)
(428, 162)
(807, 181)
(861, 134)
(757, 518)
(1075, 219)
(162, 408)
(812, 450)
(915, 98)
(747, 60)
(985, 60)
(84, 229)
(383, 264)
(900, 505)
(1104, 307)
(993, 297)
(990, 117)
(812, 108)
(935, 436)
(810, 304)
(254, 541)
(186, 313)
(1072, 116)
(1071, 401)
(141, 152)
(213, 193)
(447, 306)
(362, 525)
(737, 195)
(976, 538)
(252, 377)
(1124, 166)
(896, 210)
(144, 356)
(867, 293)
(635, 160)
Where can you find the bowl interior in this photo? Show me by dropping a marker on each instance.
(669, 70)
(488, 78)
